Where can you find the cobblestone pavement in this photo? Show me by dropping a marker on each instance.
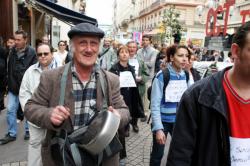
(138, 147)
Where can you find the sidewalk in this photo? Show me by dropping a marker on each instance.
(16, 151)
(138, 146)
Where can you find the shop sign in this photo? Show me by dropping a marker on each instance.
(220, 43)
(213, 13)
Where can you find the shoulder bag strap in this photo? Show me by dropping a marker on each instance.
(187, 75)
(63, 83)
(73, 147)
(104, 52)
(76, 154)
(166, 78)
(104, 87)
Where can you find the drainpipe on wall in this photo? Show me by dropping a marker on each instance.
(32, 28)
(15, 16)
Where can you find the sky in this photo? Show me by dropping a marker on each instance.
(102, 10)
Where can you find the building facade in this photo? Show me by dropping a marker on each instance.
(146, 16)
(235, 17)
(6, 29)
(39, 18)
(60, 28)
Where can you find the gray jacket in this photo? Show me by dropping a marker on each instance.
(108, 59)
(148, 55)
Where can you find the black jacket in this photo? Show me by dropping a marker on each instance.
(3, 60)
(196, 74)
(201, 132)
(3, 67)
(18, 66)
(131, 96)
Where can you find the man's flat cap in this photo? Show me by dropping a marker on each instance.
(85, 29)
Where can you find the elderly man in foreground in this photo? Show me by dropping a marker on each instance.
(84, 94)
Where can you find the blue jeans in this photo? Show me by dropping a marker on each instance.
(158, 149)
(12, 107)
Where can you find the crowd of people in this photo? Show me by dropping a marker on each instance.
(207, 118)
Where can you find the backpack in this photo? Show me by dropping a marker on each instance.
(166, 78)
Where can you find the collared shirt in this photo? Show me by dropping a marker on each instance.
(31, 80)
(148, 55)
(20, 52)
(133, 61)
(85, 97)
(145, 51)
(60, 57)
(54, 64)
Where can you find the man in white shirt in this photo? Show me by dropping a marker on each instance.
(29, 84)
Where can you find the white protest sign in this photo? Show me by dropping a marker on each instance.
(206, 64)
(174, 90)
(127, 79)
(134, 63)
(240, 151)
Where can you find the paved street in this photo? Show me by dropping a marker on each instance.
(138, 146)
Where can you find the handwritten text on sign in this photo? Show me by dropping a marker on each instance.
(174, 90)
(240, 151)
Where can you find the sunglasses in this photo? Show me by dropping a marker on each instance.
(42, 53)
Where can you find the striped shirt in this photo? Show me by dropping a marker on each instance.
(85, 97)
(168, 114)
(162, 110)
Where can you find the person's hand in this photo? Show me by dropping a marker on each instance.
(160, 137)
(59, 114)
(138, 78)
(188, 66)
(111, 109)
(214, 70)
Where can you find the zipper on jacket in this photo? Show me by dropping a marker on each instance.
(224, 135)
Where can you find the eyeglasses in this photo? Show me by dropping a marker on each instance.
(42, 53)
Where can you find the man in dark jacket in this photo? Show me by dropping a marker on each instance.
(21, 57)
(3, 74)
(213, 121)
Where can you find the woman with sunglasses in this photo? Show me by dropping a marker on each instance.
(61, 54)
